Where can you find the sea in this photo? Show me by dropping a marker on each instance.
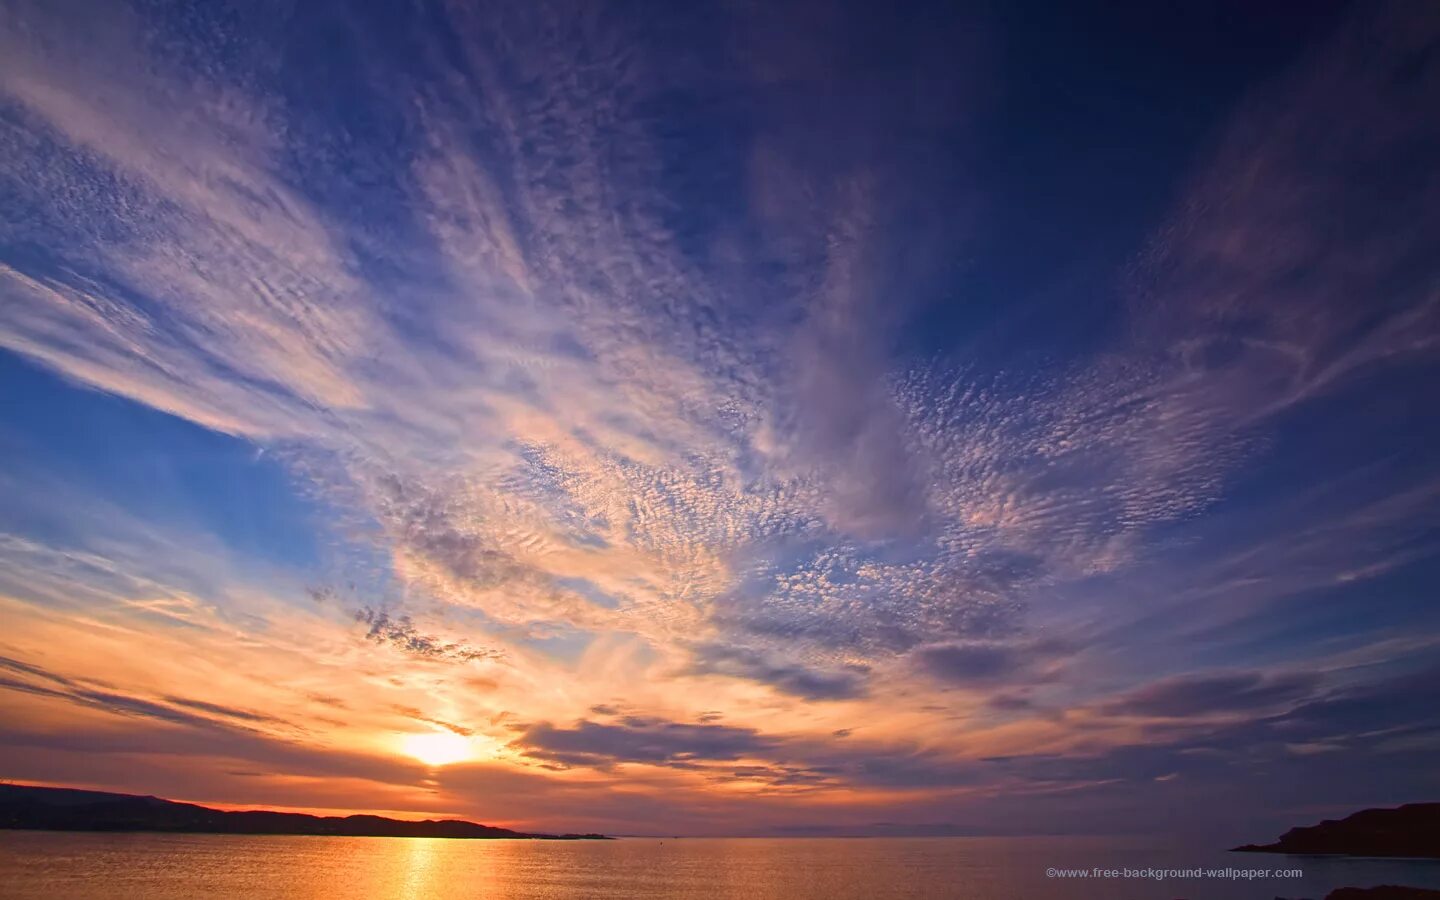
(59, 866)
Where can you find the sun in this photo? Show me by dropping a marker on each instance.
(437, 748)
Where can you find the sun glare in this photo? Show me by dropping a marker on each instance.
(437, 748)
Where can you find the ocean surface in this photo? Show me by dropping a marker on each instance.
(56, 866)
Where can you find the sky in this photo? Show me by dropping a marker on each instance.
(724, 418)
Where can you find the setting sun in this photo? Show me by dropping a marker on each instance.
(437, 748)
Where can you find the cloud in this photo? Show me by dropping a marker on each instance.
(1017, 660)
(1385, 725)
(639, 740)
(577, 357)
(968, 662)
(417, 715)
(1368, 714)
(1200, 695)
(219, 709)
(778, 762)
(167, 709)
(401, 633)
(840, 683)
(554, 411)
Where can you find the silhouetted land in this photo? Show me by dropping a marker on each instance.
(1412, 830)
(1383, 892)
(62, 809)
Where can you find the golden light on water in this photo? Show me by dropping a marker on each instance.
(437, 748)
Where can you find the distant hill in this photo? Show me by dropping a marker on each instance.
(1410, 830)
(62, 809)
(1383, 892)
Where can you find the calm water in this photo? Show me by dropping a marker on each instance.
(57, 866)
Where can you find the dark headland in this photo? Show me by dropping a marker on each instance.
(1383, 892)
(1412, 830)
(62, 809)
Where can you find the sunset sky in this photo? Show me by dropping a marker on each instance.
(724, 417)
